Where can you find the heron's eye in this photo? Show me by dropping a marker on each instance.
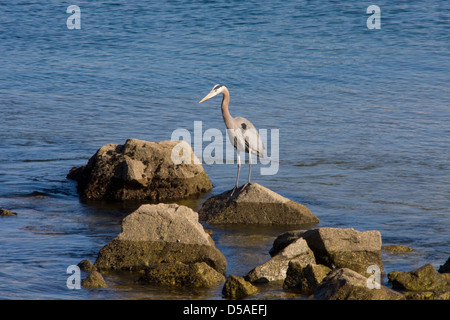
(215, 90)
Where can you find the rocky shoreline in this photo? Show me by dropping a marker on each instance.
(165, 244)
(305, 262)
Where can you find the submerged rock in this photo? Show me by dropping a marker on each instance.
(305, 278)
(94, 280)
(425, 278)
(345, 248)
(275, 268)
(160, 233)
(182, 275)
(346, 284)
(237, 288)
(255, 204)
(6, 212)
(140, 170)
(397, 248)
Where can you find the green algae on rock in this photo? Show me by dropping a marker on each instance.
(94, 281)
(237, 288)
(346, 284)
(396, 248)
(140, 170)
(157, 233)
(182, 275)
(424, 278)
(304, 277)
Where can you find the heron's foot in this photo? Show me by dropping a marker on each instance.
(234, 189)
(246, 185)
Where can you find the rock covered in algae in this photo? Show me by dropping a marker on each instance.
(397, 248)
(141, 170)
(182, 275)
(237, 288)
(424, 278)
(160, 233)
(304, 278)
(94, 281)
(7, 212)
(346, 284)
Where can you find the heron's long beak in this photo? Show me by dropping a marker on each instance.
(209, 95)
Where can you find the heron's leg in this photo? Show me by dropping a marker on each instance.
(249, 165)
(249, 168)
(239, 169)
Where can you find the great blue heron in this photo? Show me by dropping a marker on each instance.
(241, 132)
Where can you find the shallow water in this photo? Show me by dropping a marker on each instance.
(363, 118)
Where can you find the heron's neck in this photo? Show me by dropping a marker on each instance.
(225, 113)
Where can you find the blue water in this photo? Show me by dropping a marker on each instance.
(363, 117)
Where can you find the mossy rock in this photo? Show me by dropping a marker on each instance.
(182, 275)
(397, 248)
(94, 281)
(305, 278)
(237, 288)
(157, 233)
(425, 278)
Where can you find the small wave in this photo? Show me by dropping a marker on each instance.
(413, 205)
(322, 162)
(36, 194)
(44, 230)
(53, 160)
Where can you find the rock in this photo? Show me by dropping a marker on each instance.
(425, 278)
(446, 276)
(445, 268)
(6, 212)
(182, 275)
(304, 278)
(94, 280)
(345, 248)
(275, 268)
(284, 239)
(86, 266)
(160, 233)
(140, 170)
(396, 248)
(427, 295)
(346, 284)
(237, 288)
(255, 204)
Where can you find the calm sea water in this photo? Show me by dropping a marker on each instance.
(363, 117)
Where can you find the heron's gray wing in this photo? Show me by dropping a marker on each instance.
(247, 137)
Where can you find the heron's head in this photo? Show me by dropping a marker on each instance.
(218, 88)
